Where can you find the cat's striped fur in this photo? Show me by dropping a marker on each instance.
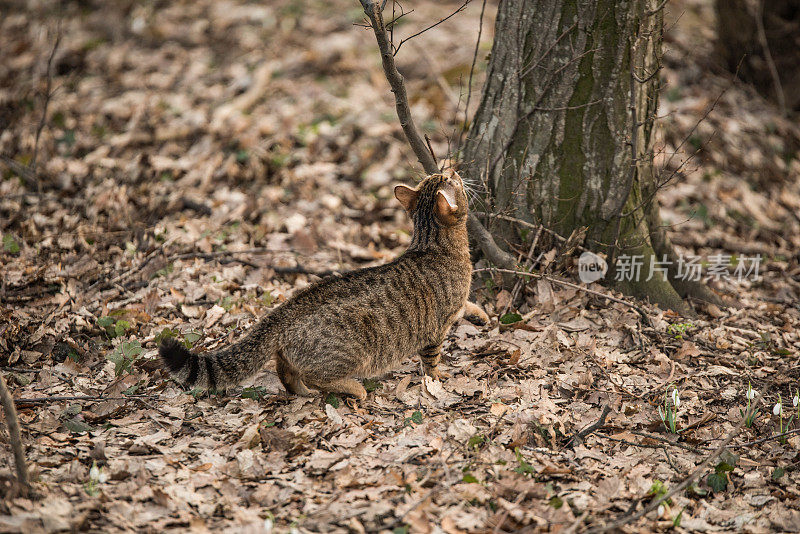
(364, 322)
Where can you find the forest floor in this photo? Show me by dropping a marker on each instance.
(200, 160)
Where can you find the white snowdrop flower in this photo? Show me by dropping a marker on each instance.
(676, 400)
(796, 399)
(750, 392)
(103, 478)
(778, 409)
(293, 530)
(268, 525)
(660, 510)
(94, 473)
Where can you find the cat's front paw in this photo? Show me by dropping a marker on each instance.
(437, 374)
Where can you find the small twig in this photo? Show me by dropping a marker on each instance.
(459, 10)
(469, 83)
(668, 442)
(773, 70)
(47, 96)
(430, 148)
(768, 438)
(635, 307)
(589, 429)
(19, 370)
(14, 436)
(88, 398)
(395, 79)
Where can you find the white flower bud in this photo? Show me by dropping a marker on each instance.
(660, 510)
(94, 473)
(676, 400)
(778, 409)
(750, 392)
(796, 400)
(268, 525)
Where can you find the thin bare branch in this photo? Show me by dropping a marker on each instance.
(484, 239)
(14, 436)
(773, 70)
(454, 13)
(395, 79)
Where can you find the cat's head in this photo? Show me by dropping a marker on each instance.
(440, 195)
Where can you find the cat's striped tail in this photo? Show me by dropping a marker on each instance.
(222, 368)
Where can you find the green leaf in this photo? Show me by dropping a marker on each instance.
(469, 478)
(697, 491)
(677, 521)
(9, 245)
(717, 482)
(333, 400)
(190, 338)
(476, 441)
(76, 426)
(401, 530)
(657, 489)
(255, 393)
(167, 333)
(524, 468)
(131, 349)
(556, 502)
(778, 473)
(416, 417)
(727, 463)
(371, 385)
(510, 318)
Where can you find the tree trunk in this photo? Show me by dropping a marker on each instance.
(562, 135)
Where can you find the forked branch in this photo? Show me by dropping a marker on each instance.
(479, 234)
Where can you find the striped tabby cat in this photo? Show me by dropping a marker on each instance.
(365, 322)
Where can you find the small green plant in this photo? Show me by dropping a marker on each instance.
(476, 441)
(113, 327)
(254, 393)
(190, 338)
(749, 418)
(677, 330)
(778, 411)
(669, 411)
(124, 356)
(510, 318)
(9, 244)
(718, 480)
(778, 473)
(96, 477)
(371, 385)
(416, 418)
(523, 467)
(333, 400)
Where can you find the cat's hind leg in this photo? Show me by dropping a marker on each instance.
(290, 377)
(348, 386)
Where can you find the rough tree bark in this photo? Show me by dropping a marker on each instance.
(563, 132)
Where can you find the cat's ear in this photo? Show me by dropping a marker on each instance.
(446, 206)
(406, 196)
